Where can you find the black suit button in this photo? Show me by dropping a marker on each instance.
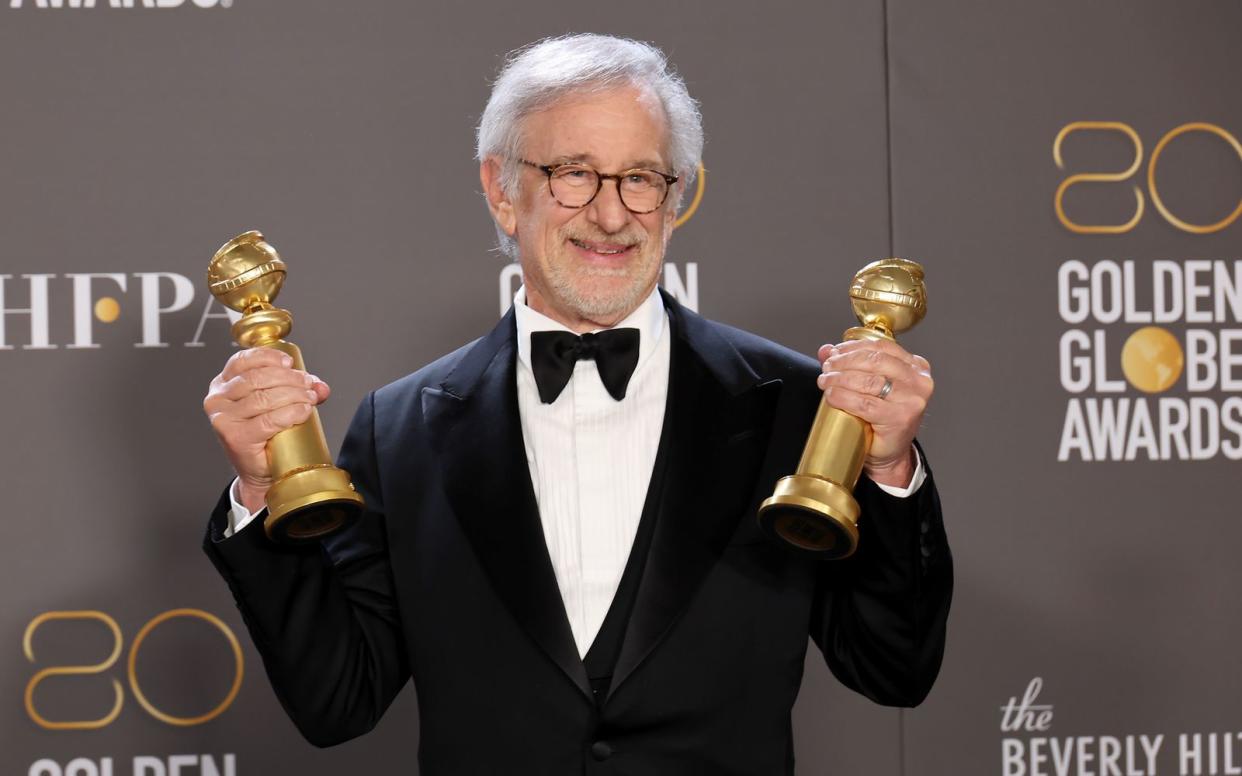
(927, 551)
(924, 527)
(601, 750)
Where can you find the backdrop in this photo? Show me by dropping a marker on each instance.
(1069, 174)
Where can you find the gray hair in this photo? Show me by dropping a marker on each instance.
(535, 76)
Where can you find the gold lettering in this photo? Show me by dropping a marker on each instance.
(87, 724)
(1194, 126)
(133, 662)
(1098, 177)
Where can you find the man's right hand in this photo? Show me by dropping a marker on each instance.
(257, 395)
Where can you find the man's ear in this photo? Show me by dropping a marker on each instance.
(670, 213)
(497, 201)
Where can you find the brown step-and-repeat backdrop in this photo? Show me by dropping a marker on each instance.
(1069, 173)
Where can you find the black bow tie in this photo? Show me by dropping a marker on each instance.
(554, 353)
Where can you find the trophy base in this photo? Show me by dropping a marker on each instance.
(812, 515)
(310, 504)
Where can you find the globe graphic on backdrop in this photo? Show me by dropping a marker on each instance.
(1152, 359)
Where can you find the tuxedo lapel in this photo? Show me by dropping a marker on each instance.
(717, 424)
(476, 431)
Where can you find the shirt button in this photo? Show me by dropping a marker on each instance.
(927, 551)
(601, 750)
(924, 527)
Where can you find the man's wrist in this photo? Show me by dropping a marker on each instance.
(252, 498)
(895, 474)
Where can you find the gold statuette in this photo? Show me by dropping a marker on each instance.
(814, 510)
(309, 497)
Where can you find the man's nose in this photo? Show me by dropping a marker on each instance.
(607, 211)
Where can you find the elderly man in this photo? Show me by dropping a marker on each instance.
(560, 544)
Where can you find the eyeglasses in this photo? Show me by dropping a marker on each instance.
(575, 185)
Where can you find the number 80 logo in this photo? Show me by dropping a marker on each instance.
(131, 669)
(1117, 177)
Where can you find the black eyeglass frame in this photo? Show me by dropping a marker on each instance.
(550, 169)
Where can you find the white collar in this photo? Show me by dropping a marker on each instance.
(648, 318)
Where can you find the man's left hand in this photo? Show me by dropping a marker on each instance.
(854, 379)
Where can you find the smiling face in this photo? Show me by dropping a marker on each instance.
(587, 267)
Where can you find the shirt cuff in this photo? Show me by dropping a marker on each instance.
(916, 480)
(240, 517)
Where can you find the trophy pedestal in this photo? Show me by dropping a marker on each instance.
(813, 514)
(310, 503)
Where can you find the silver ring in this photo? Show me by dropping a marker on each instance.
(886, 390)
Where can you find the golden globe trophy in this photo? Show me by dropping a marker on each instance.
(309, 497)
(814, 510)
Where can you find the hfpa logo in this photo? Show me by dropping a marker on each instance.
(91, 297)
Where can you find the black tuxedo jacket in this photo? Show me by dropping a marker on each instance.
(447, 579)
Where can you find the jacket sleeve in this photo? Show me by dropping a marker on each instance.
(880, 616)
(322, 615)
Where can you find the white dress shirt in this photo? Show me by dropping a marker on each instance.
(590, 460)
